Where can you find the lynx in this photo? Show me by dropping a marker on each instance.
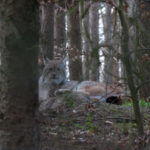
(53, 82)
(52, 78)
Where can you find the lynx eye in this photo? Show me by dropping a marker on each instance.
(58, 69)
(50, 69)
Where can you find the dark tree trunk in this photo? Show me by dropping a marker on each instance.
(108, 67)
(74, 32)
(94, 60)
(19, 34)
(60, 26)
(144, 45)
(86, 44)
(47, 29)
(128, 62)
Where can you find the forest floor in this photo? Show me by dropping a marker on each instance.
(97, 126)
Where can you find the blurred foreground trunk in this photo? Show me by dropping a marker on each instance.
(19, 35)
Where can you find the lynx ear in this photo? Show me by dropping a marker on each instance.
(63, 61)
(42, 59)
(46, 60)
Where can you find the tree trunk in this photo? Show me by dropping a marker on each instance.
(94, 60)
(47, 29)
(19, 34)
(109, 62)
(86, 44)
(143, 44)
(60, 26)
(74, 33)
(128, 62)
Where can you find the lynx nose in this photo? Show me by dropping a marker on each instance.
(54, 76)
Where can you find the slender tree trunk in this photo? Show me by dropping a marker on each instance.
(109, 62)
(74, 33)
(108, 39)
(19, 34)
(127, 62)
(47, 29)
(86, 44)
(144, 44)
(94, 22)
(60, 26)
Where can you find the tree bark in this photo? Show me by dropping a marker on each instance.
(94, 60)
(47, 29)
(143, 43)
(86, 44)
(60, 26)
(74, 33)
(108, 25)
(127, 62)
(19, 34)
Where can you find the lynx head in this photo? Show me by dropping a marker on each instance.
(54, 72)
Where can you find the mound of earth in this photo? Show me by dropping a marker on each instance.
(75, 122)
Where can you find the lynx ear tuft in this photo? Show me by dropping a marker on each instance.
(43, 60)
(63, 62)
(46, 60)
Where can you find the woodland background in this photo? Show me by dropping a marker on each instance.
(105, 41)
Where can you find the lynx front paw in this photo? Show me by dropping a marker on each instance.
(62, 91)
